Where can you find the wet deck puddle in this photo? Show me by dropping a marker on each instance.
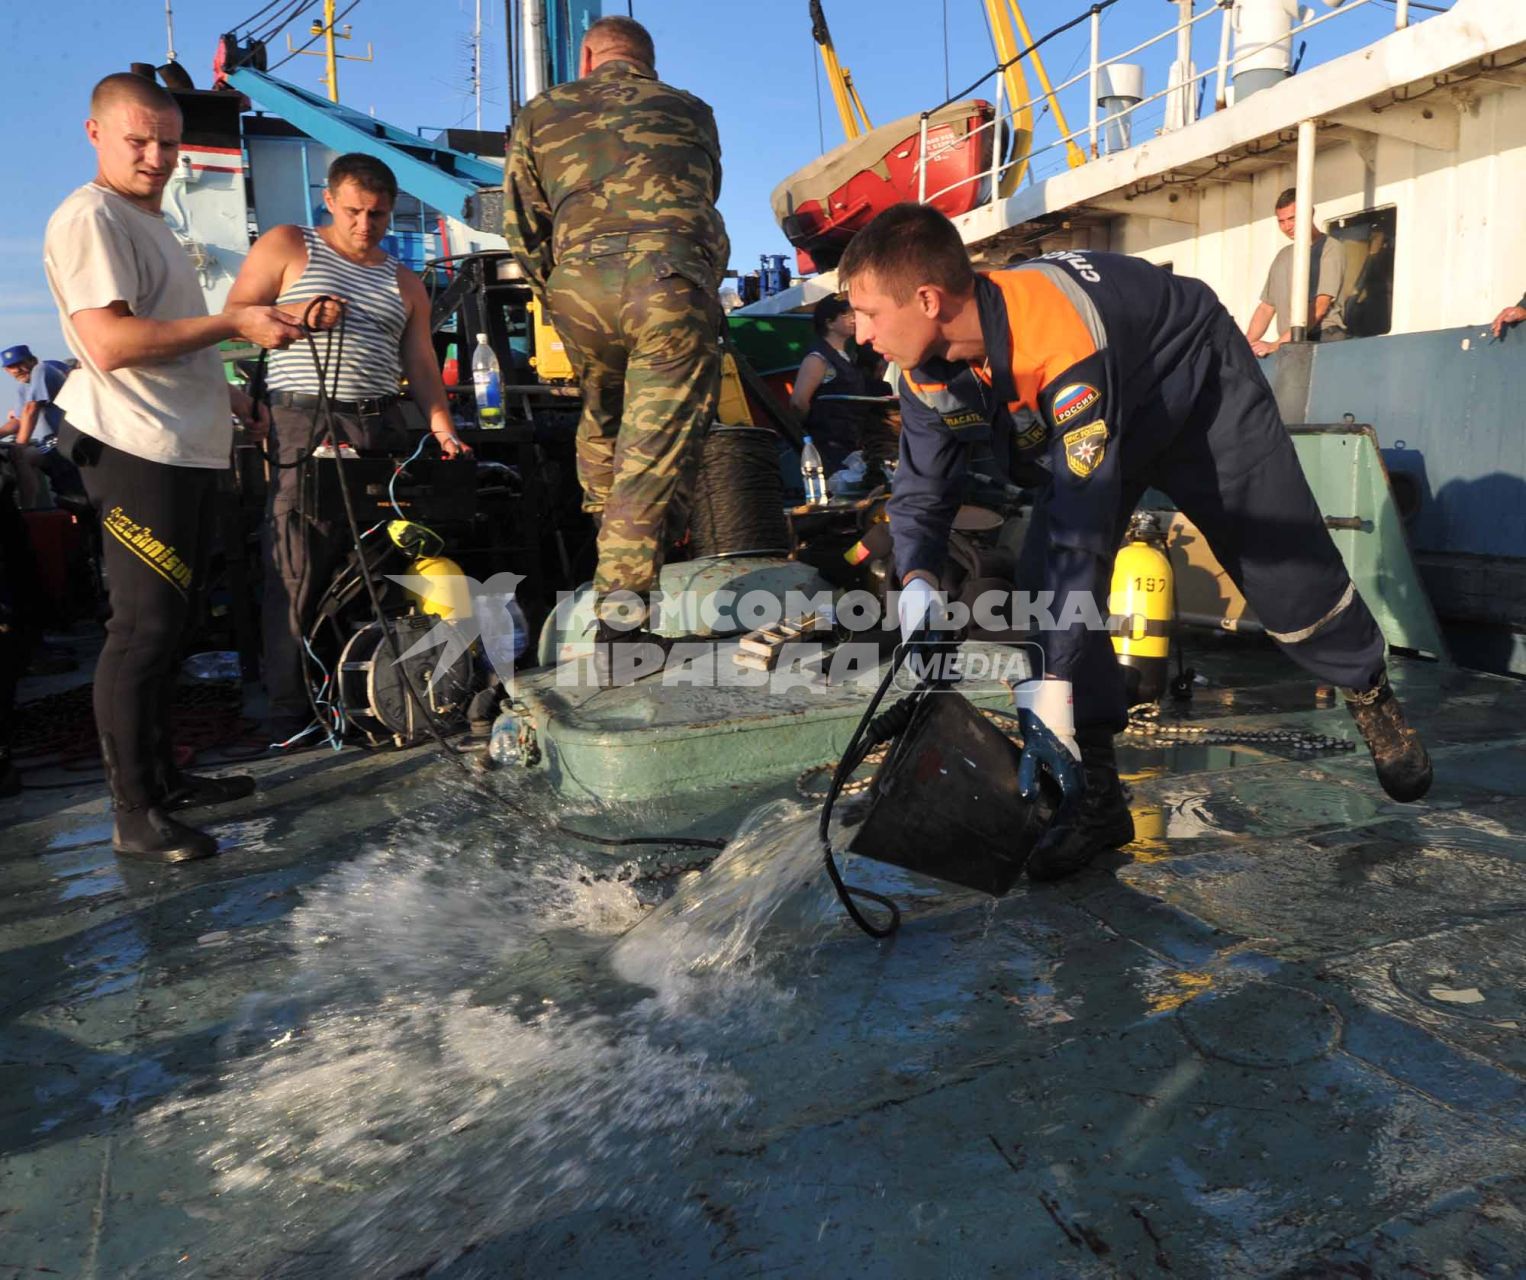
(396, 1033)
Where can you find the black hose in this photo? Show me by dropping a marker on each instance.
(859, 746)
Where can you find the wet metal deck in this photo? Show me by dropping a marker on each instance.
(391, 1032)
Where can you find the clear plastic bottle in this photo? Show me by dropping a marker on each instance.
(813, 474)
(504, 631)
(487, 379)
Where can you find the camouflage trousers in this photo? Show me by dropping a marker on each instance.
(642, 334)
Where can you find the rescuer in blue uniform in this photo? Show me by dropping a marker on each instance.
(1091, 377)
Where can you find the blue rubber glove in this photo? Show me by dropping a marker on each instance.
(1044, 714)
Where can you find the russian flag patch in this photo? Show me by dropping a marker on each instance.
(1076, 398)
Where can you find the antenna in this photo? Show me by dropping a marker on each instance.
(330, 80)
(477, 63)
(169, 32)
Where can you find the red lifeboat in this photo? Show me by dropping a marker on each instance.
(820, 206)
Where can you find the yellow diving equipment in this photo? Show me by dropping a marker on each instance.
(437, 583)
(1140, 603)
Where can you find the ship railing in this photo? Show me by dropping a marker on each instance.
(1184, 89)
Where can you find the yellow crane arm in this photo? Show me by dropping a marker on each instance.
(1003, 14)
(850, 108)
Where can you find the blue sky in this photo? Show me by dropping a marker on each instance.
(753, 60)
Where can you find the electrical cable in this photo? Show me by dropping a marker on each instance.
(248, 23)
(304, 48)
(852, 757)
(294, 10)
(1044, 39)
(392, 483)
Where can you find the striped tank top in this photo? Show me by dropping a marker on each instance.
(375, 316)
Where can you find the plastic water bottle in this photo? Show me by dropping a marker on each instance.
(504, 631)
(505, 747)
(487, 379)
(813, 475)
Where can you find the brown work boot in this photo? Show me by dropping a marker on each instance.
(1403, 765)
(1102, 822)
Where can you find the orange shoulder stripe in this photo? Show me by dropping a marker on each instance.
(1046, 333)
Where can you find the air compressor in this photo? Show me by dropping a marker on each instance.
(1140, 603)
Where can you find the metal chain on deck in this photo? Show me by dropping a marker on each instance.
(1145, 729)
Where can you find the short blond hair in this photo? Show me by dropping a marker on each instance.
(129, 86)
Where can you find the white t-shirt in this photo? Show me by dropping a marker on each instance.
(100, 249)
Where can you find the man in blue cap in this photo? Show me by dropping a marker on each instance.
(31, 430)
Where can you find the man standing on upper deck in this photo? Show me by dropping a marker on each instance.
(386, 337)
(1095, 376)
(1327, 274)
(611, 187)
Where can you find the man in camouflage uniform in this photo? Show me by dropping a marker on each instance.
(610, 209)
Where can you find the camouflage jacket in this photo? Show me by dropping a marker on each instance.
(615, 153)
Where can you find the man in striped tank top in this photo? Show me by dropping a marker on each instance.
(386, 338)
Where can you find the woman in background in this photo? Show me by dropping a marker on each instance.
(829, 371)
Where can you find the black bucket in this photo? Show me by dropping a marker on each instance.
(945, 801)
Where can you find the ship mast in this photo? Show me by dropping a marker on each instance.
(326, 29)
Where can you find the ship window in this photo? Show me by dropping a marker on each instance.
(1367, 296)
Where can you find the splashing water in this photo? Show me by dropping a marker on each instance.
(477, 1036)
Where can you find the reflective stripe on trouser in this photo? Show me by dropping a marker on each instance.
(642, 337)
(1234, 473)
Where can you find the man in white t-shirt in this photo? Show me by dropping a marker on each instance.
(147, 422)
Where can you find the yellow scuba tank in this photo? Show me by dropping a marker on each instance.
(1141, 601)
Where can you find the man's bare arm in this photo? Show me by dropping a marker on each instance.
(1258, 323)
(30, 412)
(114, 338)
(263, 276)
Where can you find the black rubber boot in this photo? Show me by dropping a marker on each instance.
(1398, 755)
(141, 829)
(1104, 821)
(175, 790)
(150, 835)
